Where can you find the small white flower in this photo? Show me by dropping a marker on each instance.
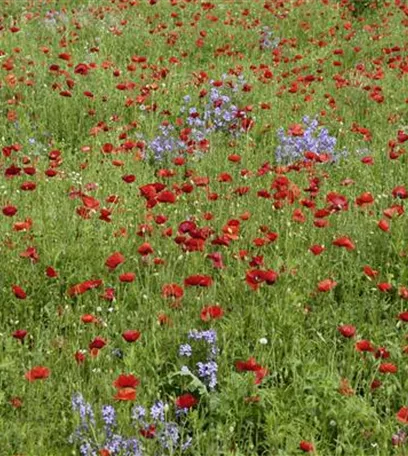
(263, 340)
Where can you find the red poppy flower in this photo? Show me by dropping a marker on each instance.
(186, 401)
(344, 242)
(172, 290)
(337, 202)
(129, 178)
(89, 318)
(252, 366)
(114, 260)
(19, 293)
(326, 285)
(384, 287)
(254, 277)
(198, 280)
(109, 294)
(145, 249)
(125, 394)
(37, 373)
(23, 226)
(298, 216)
(166, 196)
(82, 287)
(51, 272)
(375, 384)
(9, 211)
(79, 357)
(164, 319)
(260, 374)
(305, 446)
(400, 192)
(388, 368)
(235, 158)
(368, 271)
(90, 202)
(364, 199)
(98, 343)
(82, 69)
(296, 130)
(382, 352)
(131, 335)
(20, 334)
(28, 186)
(383, 225)
(211, 313)
(216, 259)
(364, 346)
(394, 210)
(149, 432)
(126, 381)
(31, 253)
(402, 415)
(317, 249)
(127, 277)
(244, 366)
(104, 452)
(347, 330)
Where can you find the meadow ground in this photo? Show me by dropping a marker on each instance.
(203, 231)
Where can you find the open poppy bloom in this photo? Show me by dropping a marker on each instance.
(114, 260)
(37, 373)
(402, 415)
(125, 394)
(186, 401)
(211, 313)
(198, 280)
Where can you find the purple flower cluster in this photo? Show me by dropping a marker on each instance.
(85, 435)
(166, 143)
(220, 112)
(208, 369)
(90, 440)
(268, 41)
(217, 112)
(314, 139)
(167, 433)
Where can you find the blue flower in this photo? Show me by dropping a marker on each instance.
(185, 350)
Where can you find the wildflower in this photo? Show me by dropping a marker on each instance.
(185, 350)
(186, 401)
(305, 446)
(114, 260)
(306, 142)
(157, 411)
(211, 313)
(37, 373)
(402, 415)
(131, 335)
(347, 330)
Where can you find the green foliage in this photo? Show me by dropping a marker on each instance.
(364, 7)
